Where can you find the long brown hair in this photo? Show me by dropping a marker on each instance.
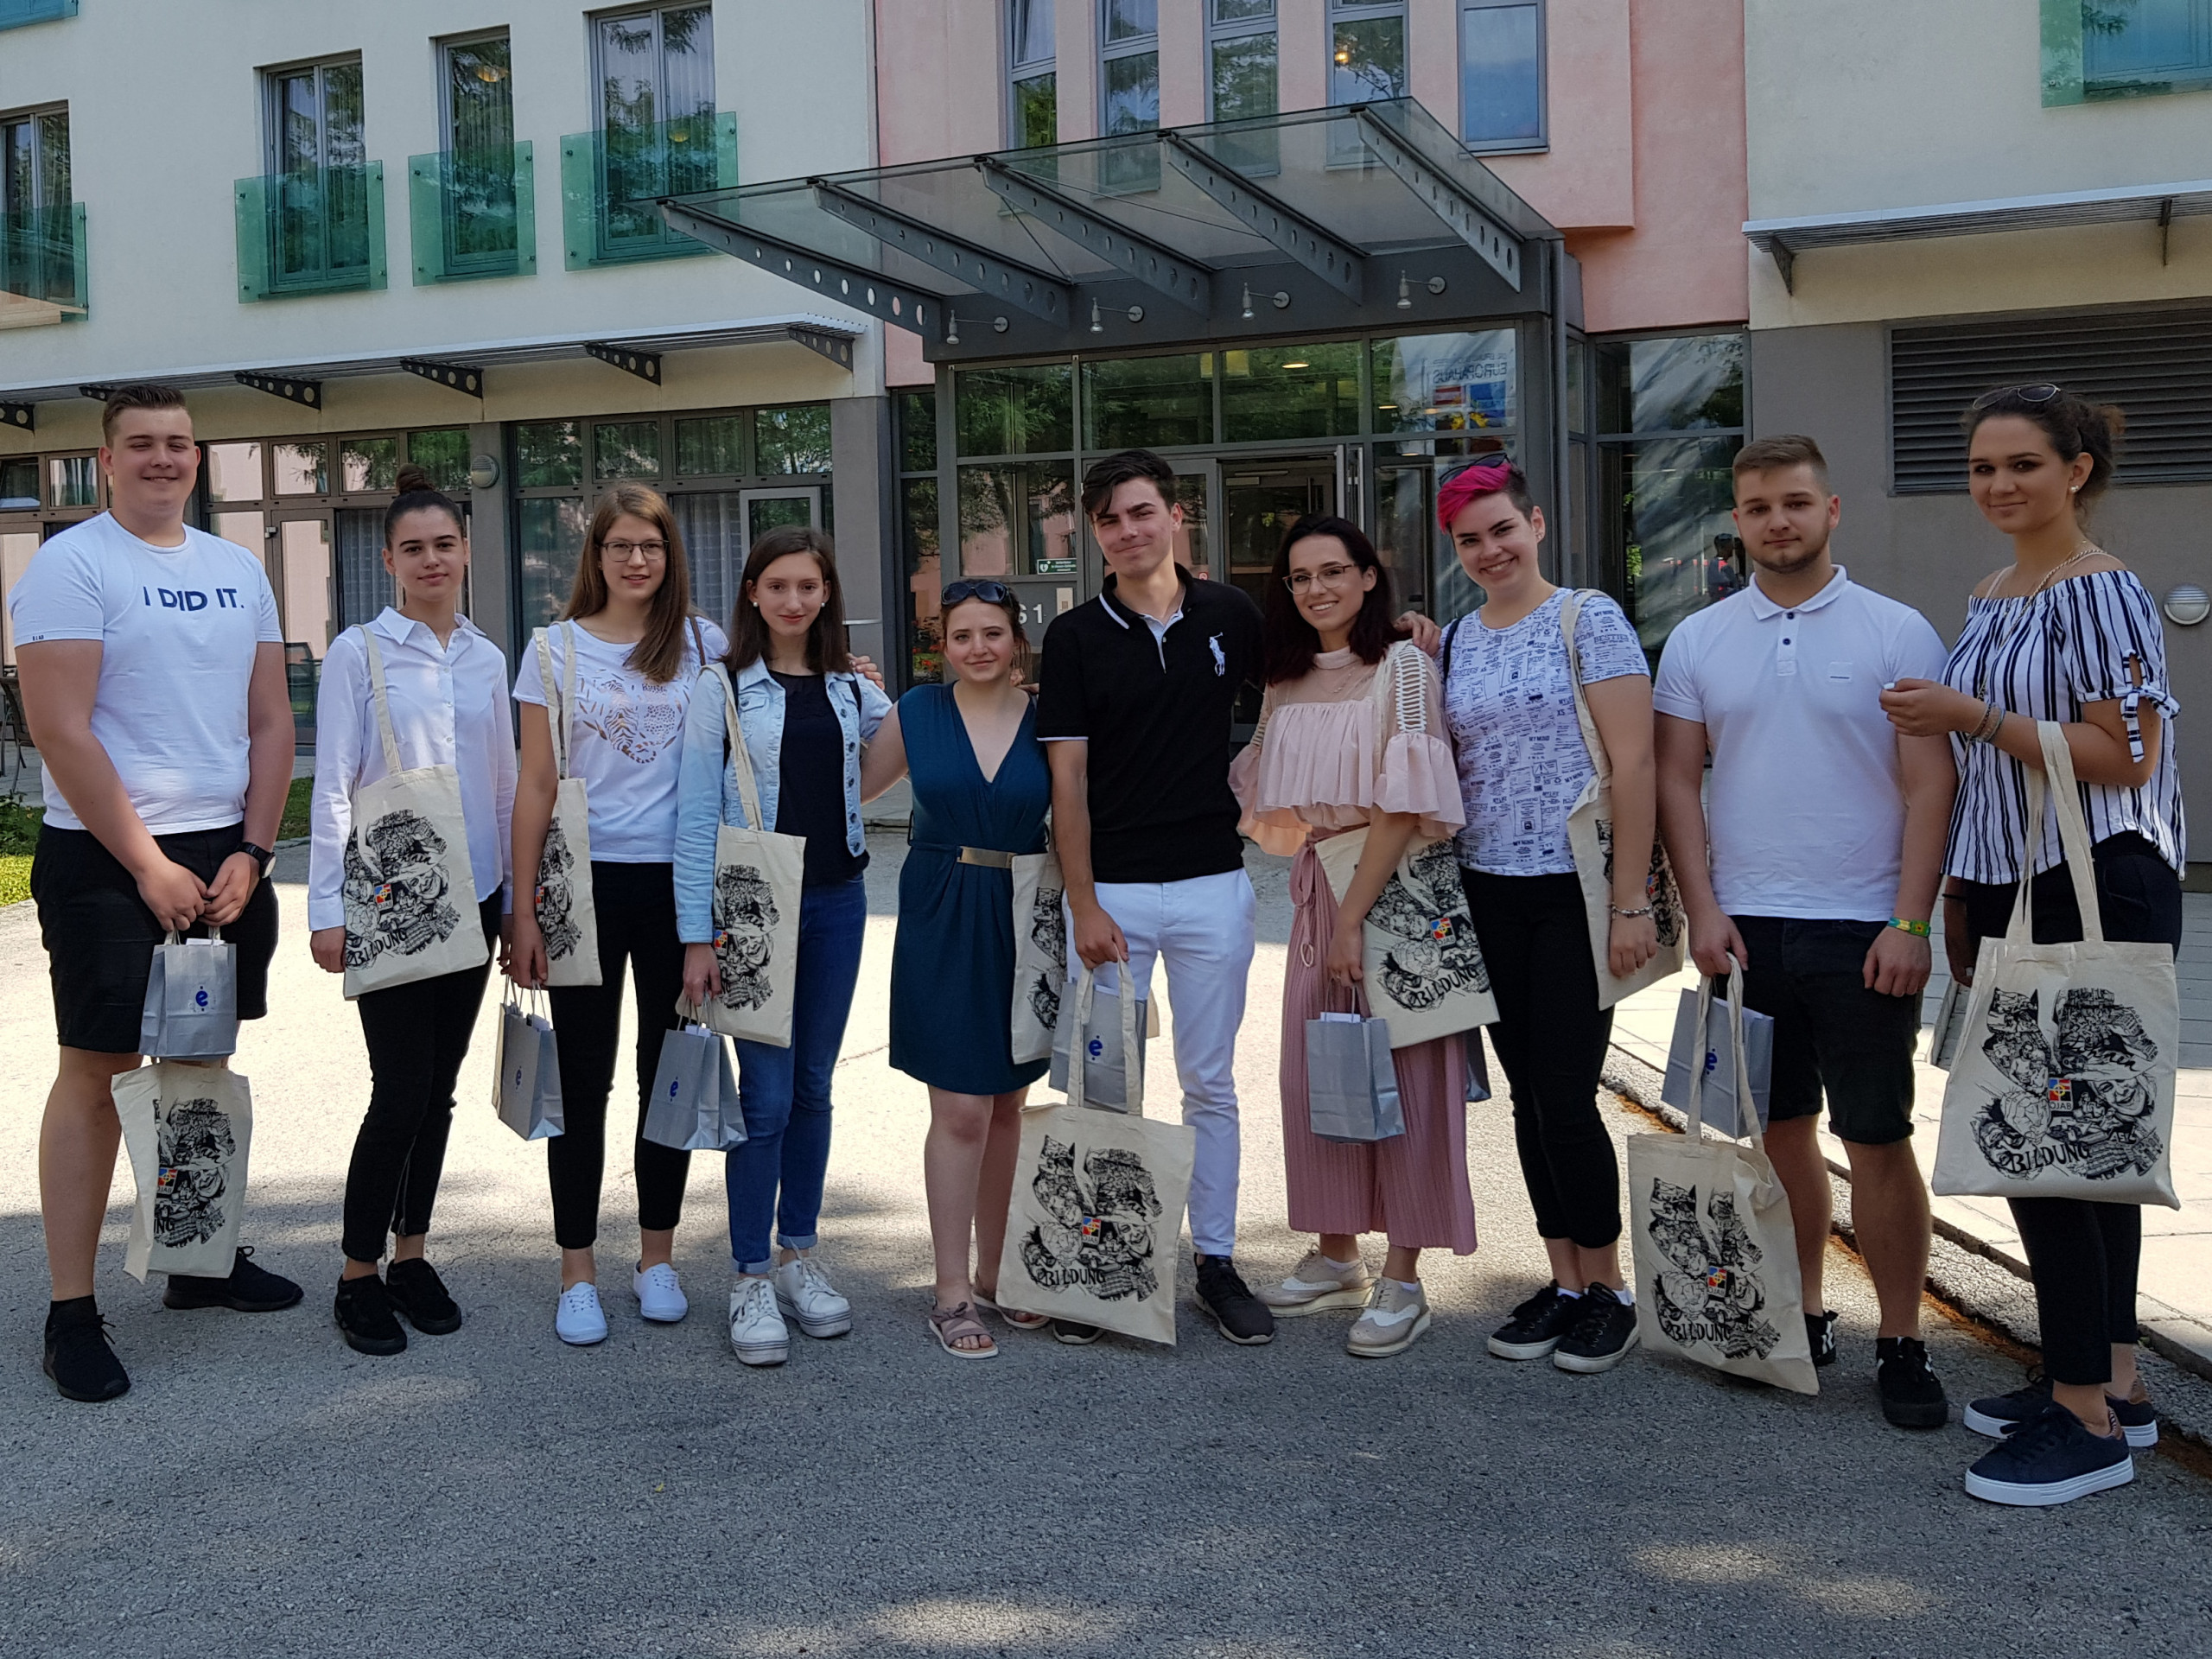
(1289, 642)
(660, 655)
(826, 651)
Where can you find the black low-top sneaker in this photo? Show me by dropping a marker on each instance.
(362, 1310)
(1912, 1394)
(1820, 1332)
(1076, 1336)
(1537, 1324)
(1243, 1317)
(1603, 1332)
(2050, 1458)
(250, 1288)
(79, 1355)
(1998, 1415)
(419, 1294)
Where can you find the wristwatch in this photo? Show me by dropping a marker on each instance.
(264, 860)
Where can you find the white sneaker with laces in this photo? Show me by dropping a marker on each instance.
(756, 1327)
(578, 1319)
(1316, 1284)
(803, 1291)
(660, 1297)
(1395, 1317)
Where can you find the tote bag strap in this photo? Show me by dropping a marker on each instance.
(1079, 1035)
(557, 711)
(1569, 614)
(740, 757)
(2055, 781)
(378, 696)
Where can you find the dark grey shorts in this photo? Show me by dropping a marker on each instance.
(1831, 1035)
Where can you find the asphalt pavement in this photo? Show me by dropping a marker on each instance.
(263, 1490)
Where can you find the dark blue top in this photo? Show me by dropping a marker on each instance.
(811, 802)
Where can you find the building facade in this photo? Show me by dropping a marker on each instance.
(2020, 197)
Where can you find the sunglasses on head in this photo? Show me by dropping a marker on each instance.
(2041, 392)
(983, 588)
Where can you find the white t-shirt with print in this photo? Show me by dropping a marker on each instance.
(179, 628)
(1511, 708)
(627, 736)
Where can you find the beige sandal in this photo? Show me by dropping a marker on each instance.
(1019, 1319)
(952, 1325)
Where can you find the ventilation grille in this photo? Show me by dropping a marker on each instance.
(2157, 365)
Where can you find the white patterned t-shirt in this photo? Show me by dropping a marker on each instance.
(1510, 709)
(628, 737)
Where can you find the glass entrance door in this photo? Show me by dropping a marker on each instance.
(1261, 499)
(306, 605)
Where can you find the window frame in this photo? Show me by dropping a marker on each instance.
(1021, 71)
(36, 116)
(593, 23)
(273, 77)
(446, 45)
(1542, 141)
(1361, 11)
(1240, 29)
(1110, 52)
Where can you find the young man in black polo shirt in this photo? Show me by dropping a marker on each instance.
(1138, 688)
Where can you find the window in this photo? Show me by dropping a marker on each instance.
(1502, 74)
(2095, 49)
(916, 412)
(321, 205)
(1367, 50)
(1241, 59)
(659, 135)
(471, 200)
(40, 241)
(1128, 75)
(1032, 85)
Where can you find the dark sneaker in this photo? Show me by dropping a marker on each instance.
(250, 1289)
(79, 1356)
(417, 1291)
(365, 1318)
(1076, 1336)
(1243, 1317)
(2050, 1458)
(1998, 1415)
(1912, 1394)
(1536, 1326)
(1819, 1332)
(1603, 1332)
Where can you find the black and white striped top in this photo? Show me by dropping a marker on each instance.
(2043, 658)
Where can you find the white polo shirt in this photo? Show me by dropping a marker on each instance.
(1805, 811)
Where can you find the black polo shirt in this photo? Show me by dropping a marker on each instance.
(1156, 711)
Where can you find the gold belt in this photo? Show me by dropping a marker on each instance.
(988, 856)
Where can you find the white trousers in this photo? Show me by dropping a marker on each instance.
(1203, 929)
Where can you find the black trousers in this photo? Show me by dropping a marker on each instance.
(636, 908)
(1551, 1038)
(2083, 1255)
(417, 1036)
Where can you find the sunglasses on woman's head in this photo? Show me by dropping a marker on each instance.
(991, 593)
(2041, 392)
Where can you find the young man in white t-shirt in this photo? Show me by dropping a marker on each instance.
(1818, 874)
(153, 674)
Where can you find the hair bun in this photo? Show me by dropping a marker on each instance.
(411, 480)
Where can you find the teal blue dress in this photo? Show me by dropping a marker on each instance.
(952, 966)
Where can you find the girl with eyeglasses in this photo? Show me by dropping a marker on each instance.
(806, 711)
(628, 651)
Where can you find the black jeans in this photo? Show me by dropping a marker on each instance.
(417, 1036)
(1551, 1038)
(2084, 1255)
(635, 905)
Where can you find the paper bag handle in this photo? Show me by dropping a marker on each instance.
(1745, 1105)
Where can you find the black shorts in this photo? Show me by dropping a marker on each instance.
(1831, 1032)
(99, 936)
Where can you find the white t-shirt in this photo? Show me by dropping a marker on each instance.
(1523, 763)
(178, 627)
(628, 737)
(1805, 811)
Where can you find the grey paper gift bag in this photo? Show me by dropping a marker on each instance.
(695, 1105)
(192, 1000)
(1112, 1044)
(528, 1094)
(1351, 1085)
(1716, 1056)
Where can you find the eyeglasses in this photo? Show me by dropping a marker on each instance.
(2041, 392)
(983, 588)
(621, 551)
(1329, 576)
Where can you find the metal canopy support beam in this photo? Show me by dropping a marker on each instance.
(2166, 228)
(838, 348)
(291, 388)
(645, 365)
(1336, 262)
(1040, 293)
(1178, 277)
(462, 377)
(1443, 195)
(22, 416)
(1785, 261)
(98, 394)
(911, 308)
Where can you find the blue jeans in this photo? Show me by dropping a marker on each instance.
(779, 1171)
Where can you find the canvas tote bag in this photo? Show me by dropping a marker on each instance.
(1040, 954)
(409, 888)
(1425, 971)
(758, 875)
(1092, 1233)
(1715, 1252)
(2063, 1084)
(188, 1130)
(1590, 834)
(563, 896)
(191, 1011)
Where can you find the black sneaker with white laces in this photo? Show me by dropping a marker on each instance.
(1820, 1332)
(420, 1295)
(1243, 1317)
(1076, 1336)
(2050, 1458)
(79, 1356)
(1537, 1324)
(1602, 1334)
(248, 1289)
(362, 1310)
(1998, 1415)
(1912, 1394)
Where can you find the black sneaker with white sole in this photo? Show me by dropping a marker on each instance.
(1243, 1317)
(1601, 1336)
(1076, 1336)
(1997, 1414)
(79, 1355)
(1912, 1394)
(1537, 1324)
(2050, 1458)
(248, 1288)
(1820, 1332)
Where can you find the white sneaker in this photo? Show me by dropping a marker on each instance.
(578, 1319)
(756, 1329)
(1317, 1285)
(660, 1297)
(1394, 1320)
(803, 1291)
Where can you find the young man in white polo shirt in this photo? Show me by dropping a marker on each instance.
(1816, 866)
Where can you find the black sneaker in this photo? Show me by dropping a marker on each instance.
(1998, 1415)
(79, 1356)
(2050, 1458)
(250, 1289)
(417, 1291)
(362, 1310)
(1603, 1332)
(1243, 1317)
(1819, 1332)
(1536, 1326)
(1076, 1336)
(1912, 1394)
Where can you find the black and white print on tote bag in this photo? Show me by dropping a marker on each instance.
(745, 915)
(402, 904)
(1048, 938)
(1708, 1293)
(556, 896)
(1099, 1230)
(562, 894)
(2081, 1099)
(1433, 954)
(192, 1195)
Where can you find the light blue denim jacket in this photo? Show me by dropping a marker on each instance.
(706, 790)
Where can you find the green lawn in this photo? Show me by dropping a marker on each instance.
(19, 836)
(295, 821)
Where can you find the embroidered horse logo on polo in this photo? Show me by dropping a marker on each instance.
(1220, 657)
